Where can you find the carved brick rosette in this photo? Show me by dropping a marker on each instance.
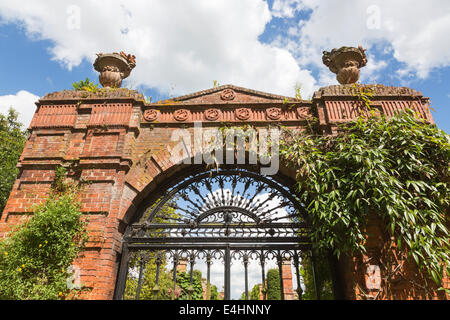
(304, 112)
(227, 95)
(181, 115)
(150, 115)
(243, 113)
(274, 113)
(212, 114)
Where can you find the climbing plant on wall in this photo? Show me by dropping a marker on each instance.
(35, 258)
(396, 169)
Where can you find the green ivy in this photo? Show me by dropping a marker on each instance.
(35, 258)
(396, 169)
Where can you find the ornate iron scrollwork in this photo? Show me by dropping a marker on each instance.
(226, 215)
(223, 205)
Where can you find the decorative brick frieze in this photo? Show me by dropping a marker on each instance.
(227, 95)
(111, 115)
(151, 115)
(212, 114)
(285, 112)
(55, 116)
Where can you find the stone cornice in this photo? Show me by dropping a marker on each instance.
(379, 90)
(235, 88)
(101, 94)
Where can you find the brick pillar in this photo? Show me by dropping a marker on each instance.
(286, 274)
(261, 293)
(182, 265)
(95, 135)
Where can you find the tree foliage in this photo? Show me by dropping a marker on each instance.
(165, 283)
(190, 291)
(323, 278)
(35, 258)
(396, 169)
(273, 285)
(12, 141)
(253, 294)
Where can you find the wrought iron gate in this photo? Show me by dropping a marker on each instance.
(215, 216)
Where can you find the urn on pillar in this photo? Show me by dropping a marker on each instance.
(113, 68)
(345, 62)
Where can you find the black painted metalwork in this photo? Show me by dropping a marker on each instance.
(297, 272)
(225, 214)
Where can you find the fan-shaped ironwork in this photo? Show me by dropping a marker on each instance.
(225, 214)
(222, 205)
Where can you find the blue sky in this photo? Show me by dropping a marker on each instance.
(183, 46)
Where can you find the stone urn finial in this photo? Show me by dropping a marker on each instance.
(345, 62)
(113, 68)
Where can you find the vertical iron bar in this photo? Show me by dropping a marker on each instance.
(246, 275)
(174, 274)
(191, 262)
(263, 275)
(158, 266)
(227, 295)
(141, 272)
(314, 270)
(122, 277)
(280, 272)
(297, 272)
(208, 277)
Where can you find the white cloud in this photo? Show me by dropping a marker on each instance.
(288, 8)
(23, 102)
(184, 44)
(415, 33)
(372, 70)
(285, 8)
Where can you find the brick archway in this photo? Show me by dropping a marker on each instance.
(118, 143)
(180, 173)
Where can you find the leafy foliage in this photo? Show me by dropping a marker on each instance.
(188, 291)
(273, 285)
(396, 169)
(165, 283)
(12, 141)
(323, 278)
(85, 85)
(35, 258)
(253, 294)
(214, 293)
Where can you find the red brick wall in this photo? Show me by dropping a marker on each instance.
(124, 157)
